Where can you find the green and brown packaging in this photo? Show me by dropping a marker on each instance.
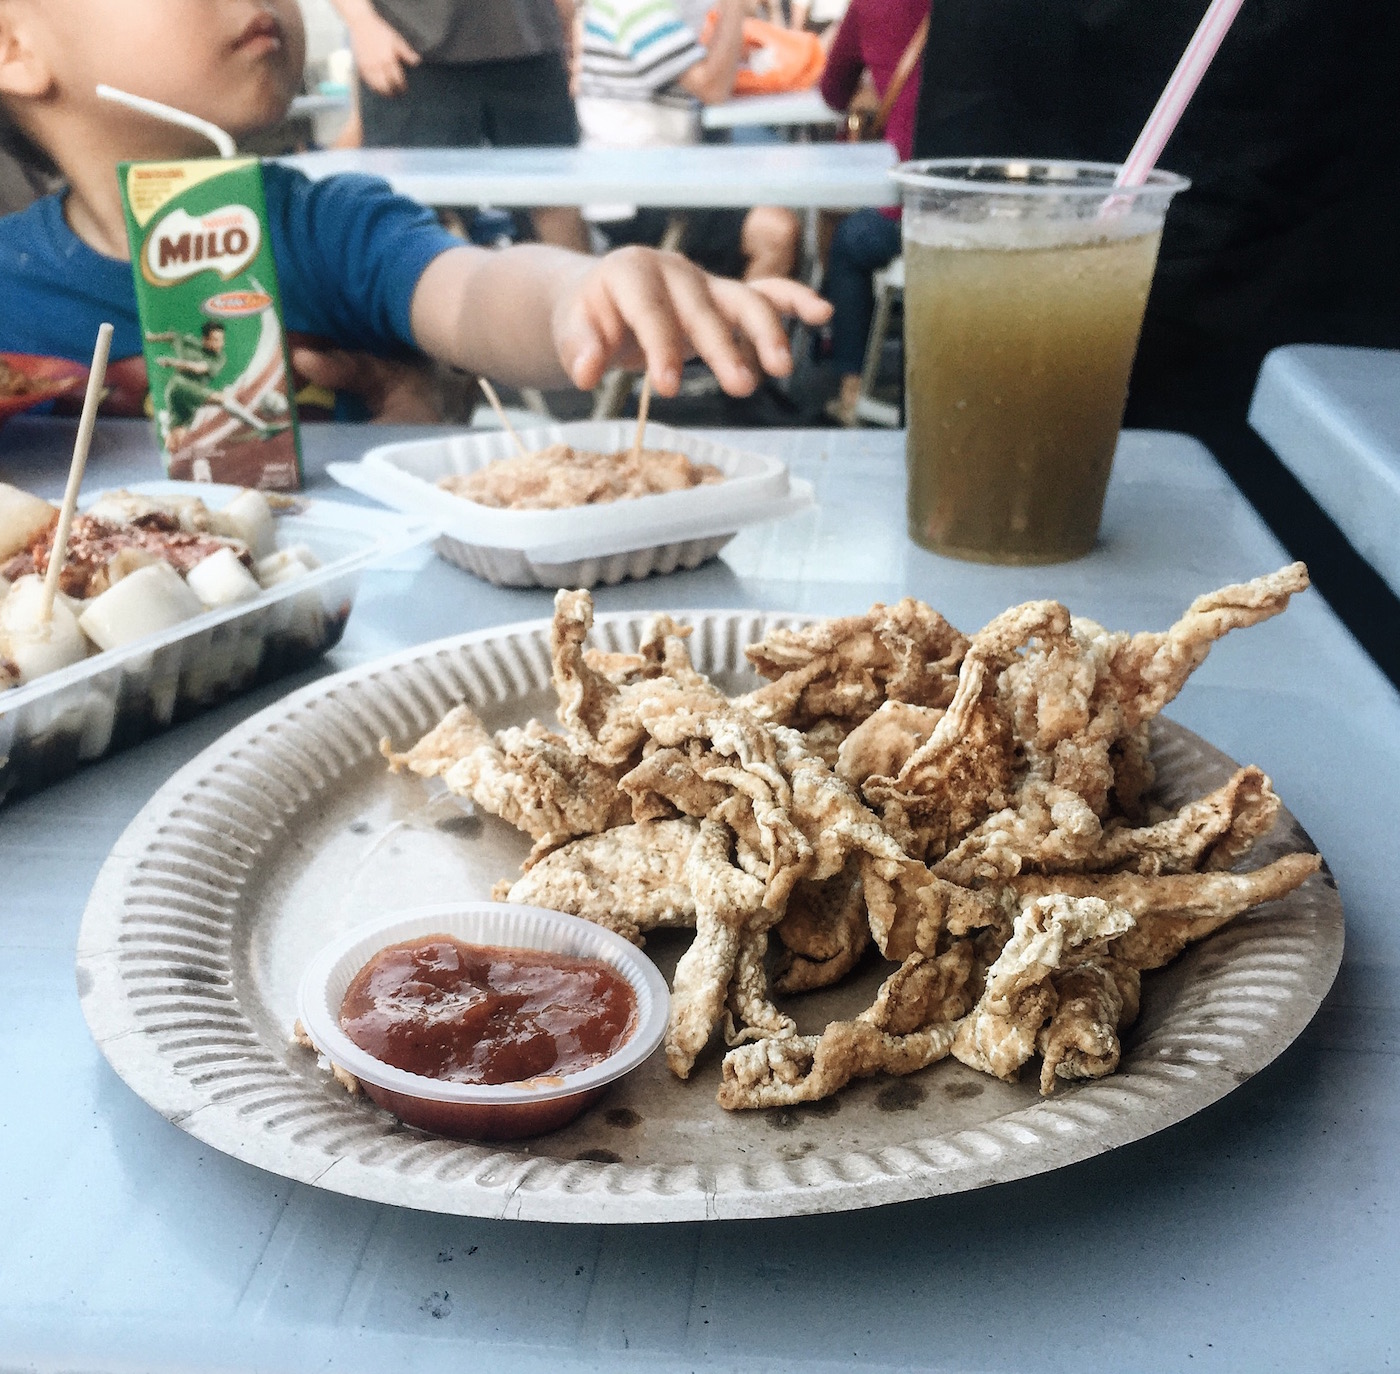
(211, 319)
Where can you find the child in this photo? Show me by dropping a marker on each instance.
(360, 268)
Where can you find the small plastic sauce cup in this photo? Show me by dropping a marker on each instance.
(481, 1111)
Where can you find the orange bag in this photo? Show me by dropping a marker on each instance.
(775, 59)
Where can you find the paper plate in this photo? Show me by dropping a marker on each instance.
(290, 831)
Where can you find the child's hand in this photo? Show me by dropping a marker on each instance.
(642, 309)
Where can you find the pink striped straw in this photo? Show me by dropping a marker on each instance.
(1174, 99)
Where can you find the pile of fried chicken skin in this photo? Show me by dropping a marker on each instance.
(979, 808)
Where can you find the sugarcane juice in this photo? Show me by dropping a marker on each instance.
(1018, 350)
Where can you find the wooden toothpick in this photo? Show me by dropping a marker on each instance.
(643, 405)
(501, 413)
(59, 553)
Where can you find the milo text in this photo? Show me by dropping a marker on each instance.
(180, 246)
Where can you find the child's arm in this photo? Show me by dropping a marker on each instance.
(539, 316)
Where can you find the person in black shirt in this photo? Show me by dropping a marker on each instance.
(462, 73)
(1290, 232)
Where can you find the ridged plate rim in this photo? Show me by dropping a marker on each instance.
(152, 984)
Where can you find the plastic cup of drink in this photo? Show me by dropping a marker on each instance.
(1025, 285)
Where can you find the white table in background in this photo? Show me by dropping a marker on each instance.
(701, 176)
(790, 110)
(1333, 417)
(1259, 1235)
(309, 106)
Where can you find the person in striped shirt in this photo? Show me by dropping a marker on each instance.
(642, 77)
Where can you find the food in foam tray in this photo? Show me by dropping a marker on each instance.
(27, 381)
(558, 476)
(978, 808)
(135, 565)
(13, 381)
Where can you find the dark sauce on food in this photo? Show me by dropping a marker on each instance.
(482, 1014)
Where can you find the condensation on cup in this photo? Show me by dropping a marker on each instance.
(1025, 286)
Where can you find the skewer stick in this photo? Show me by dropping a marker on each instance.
(501, 413)
(643, 405)
(57, 555)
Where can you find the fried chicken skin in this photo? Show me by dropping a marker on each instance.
(977, 810)
(558, 476)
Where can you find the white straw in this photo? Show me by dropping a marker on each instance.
(226, 146)
(59, 553)
(1162, 122)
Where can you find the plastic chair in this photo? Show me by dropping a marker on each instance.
(889, 287)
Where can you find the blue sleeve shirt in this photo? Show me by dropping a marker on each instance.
(349, 255)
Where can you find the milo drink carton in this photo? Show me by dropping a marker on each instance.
(211, 317)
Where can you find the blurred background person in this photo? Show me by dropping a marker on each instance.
(884, 38)
(643, 76)
(462, 73)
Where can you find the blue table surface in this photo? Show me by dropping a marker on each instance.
(1333, 417)
(1259, 1235)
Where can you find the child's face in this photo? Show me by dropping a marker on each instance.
(235, 62)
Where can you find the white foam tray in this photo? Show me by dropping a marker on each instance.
(582, 545)
(50, 726)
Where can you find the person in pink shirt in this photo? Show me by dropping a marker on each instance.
(873, 36)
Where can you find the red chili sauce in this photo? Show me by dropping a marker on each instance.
(481, 1014)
